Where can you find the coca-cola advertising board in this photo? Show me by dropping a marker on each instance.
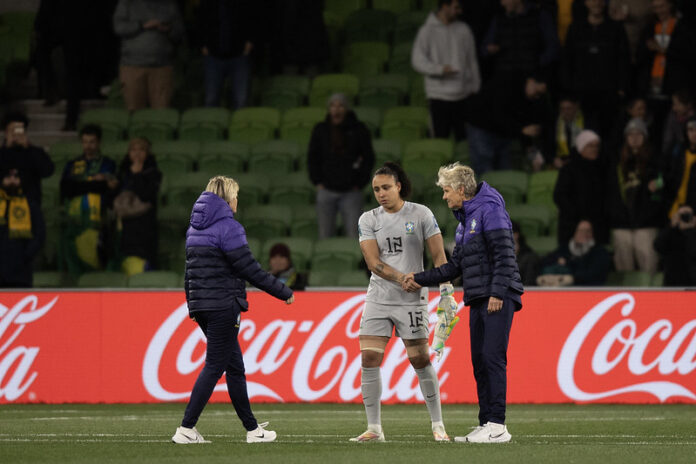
(131, 347)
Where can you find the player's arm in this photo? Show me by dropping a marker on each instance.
(370, 252)
(436, 247)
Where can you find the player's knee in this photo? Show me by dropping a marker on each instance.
(419, 361)
(371, 357)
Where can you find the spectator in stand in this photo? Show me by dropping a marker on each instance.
(340, 161)
(681, 180)
(504, 112)
(595, 66)
(580, 261)
(22, 231)
(31, 162)
(87, 186)
(634, 15)
(580, 190)
(634, 198)
(527, 259)
(136, 207)
(521, 40)
(280, 266)
(569, 124)
(673, 137)
(636, 108)
(226, 29)
(444, 51)
(677, 245)
(149, 31)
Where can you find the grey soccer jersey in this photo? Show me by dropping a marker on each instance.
(400, 238)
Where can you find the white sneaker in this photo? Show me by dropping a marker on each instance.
(261, 435)
(465, 438)
(372, 434)
(187, 436)
(491, 433)
(439, 433)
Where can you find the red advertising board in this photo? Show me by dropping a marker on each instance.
(126, 347)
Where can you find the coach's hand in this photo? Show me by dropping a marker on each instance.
(494, 304)
(409, 284)
(290, 300)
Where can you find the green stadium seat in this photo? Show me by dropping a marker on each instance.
(230, 156)
(322, 279)
(253, 189)
(204, 124)
(62, 152)
(636, 279)
(50, 279)
(461, 152)
(384, 90)
(429, 5)
(155, 279)
(370, 116)
(344, 252)
(113, 122)
(369, 25)
(540, 188)
(386, 150)
(301, 250)
(270, 163)
(511, 184)
(405, 123)
(185, 188)
(365, 58)
(400, 59)
(417, 95)
(298, 124)
(542, 246)
(287, 148)
(395, 6)
(407, 25)
(658, 279)
(304, 222)
(343, 8)
(103, 279)
(285, 91)
(353, 279)
(254, 125)
(326, 84)
(213, 165)
(155, 124)
(441, 148)
(116, 150)
(292, 189)
(176, 156)
(255, 248)
(534, 220)
(265, 221)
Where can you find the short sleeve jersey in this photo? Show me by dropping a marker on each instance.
(400, 238)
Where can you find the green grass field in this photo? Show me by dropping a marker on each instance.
(565, 434)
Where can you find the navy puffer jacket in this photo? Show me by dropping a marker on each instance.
(218, 260)
(485, 251)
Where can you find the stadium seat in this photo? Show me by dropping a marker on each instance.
(417, 95)
(540, 188)
(155, 124)
(301, 250)
(255, 248)
(304, 221)
(407, 25)
(353, 279)
(185, 188)
(343, 8)
(103, 279)
(384, 90)
(286, 152)
(225, 151)
(440, 148)
(658, 280)
(253, 125)
(370, 116)
(343, 252)
(636, 279)
(298, 123)
(285, 91)
(176, 155)
(395, 6)
(253, 189)
(326, 84)
(265, 221)
(214, 165)
(511, 184)
(369, 25)
(400, 59)
(270, 163)
(50, 279)
(386, 150)
(322, 279)
(204, 124)
(429, 5)
(461, 152)
(62, 152)
(113, 122)
(542, 246)
(405, 123)
(292, 189)
(116, 150)
(154, 279)
(365, 58)
(534, 220)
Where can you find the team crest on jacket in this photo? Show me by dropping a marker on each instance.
(410, 227)
(472, 224)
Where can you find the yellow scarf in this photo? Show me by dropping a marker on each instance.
(562, 145)
(690, 159)
(18, 221)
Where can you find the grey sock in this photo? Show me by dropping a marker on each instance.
(371, 386)
(430, 387)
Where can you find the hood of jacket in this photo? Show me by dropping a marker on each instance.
(209, 209)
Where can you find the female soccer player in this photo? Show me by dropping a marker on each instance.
(391, 239)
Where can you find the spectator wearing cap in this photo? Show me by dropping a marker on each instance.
(569, 124)
(281, 267)
(31, 162)
(339, 160)
(635, 202)
(580, 190)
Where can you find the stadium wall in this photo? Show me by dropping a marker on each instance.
(140, 346)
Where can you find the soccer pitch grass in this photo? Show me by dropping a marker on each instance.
(319, 434)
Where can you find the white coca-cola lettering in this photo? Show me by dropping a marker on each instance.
(633, 346)
(23, 356)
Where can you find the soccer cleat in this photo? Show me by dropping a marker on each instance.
(439, 433)
(187, 436)
(491, 433)
(370, 435)
(261, 435)
(465, 438)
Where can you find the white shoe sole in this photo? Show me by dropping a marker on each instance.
(267, 438)
(502, 438)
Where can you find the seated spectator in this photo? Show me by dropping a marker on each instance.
(527, 259)
(340, 161)
(149, 31)
(634, 198)
(580, 190)
(677, 245)
(87, 187)
(580, 261)
(680, 182)
(636, 108)
(673, 137)
(569, 124)
(22, 232)
(31, 162)
(280, 266)
(136, 207)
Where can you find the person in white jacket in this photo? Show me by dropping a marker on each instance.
(445, 52)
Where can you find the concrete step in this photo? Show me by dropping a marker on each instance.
(45, 122)
(47, 138)
(36, 106)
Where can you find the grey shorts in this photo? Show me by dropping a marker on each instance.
(408, 322)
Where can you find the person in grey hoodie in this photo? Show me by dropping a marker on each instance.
(444, 51)
(149, 31)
